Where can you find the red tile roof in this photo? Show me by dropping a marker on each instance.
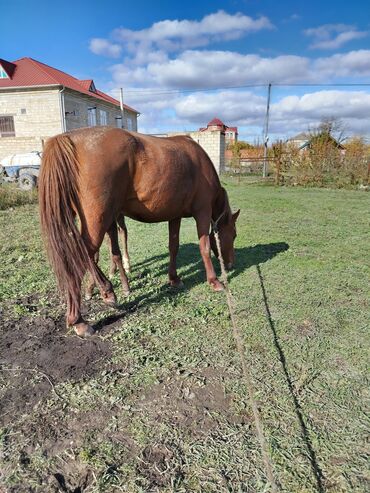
(217, 122)
(29, 72)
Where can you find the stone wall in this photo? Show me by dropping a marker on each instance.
(76, 107)
(36, 116)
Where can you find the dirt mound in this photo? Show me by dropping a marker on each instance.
(36, 354)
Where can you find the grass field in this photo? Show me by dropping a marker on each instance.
(155, 401)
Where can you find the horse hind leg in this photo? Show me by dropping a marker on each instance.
(90, 284)
(93, 237)
(116, 257)
(124, 235)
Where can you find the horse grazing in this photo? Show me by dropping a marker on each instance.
(102, 173)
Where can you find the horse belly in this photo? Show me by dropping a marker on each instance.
(158, 207)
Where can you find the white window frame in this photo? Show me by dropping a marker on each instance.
(91, 117)
(103, 115)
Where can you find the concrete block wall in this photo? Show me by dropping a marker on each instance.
(36, 116)
(76, 107)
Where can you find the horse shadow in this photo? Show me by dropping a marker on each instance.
(191, 270)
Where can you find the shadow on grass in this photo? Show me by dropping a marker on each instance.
(192, 272)
(297, 406)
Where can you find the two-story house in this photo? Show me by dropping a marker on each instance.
(38, 101)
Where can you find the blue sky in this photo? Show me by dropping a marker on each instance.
(153, 49)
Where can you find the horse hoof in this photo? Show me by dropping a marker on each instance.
(126, 293)
(88, 296)
(110, 299)
(84, 330)
(176, 283)
(217, 286)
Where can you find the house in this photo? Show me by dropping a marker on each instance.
(38, 101)
(305, 140)
(299, 140)
(231, 133)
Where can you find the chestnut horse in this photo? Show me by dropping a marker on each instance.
(101, 173)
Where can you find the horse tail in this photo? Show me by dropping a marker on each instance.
(59, 203)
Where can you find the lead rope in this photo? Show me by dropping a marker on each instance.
(246, 373)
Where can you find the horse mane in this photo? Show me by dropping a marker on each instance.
(222, 210)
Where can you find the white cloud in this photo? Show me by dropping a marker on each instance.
(175, 35)
(197, 69)
(351, 64)
(171, 36)
(211, 69)
(333, 36)
(101, 46)
(246, 109)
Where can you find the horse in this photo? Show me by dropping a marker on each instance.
(100, 173)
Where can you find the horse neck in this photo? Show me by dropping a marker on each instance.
(221, 211)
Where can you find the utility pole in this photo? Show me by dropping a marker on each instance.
(266, 131)
(122, 108)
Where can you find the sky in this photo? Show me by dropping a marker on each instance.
(180, 64)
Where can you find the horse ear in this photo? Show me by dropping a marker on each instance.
(236, 215)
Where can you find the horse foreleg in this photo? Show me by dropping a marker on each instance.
(124, 236)
(117, 257)
(173, 246)
(203, 225)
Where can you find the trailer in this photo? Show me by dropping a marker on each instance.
(23, 169)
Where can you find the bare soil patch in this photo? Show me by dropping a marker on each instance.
(36, 354)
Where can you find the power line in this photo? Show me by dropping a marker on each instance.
(149, 92)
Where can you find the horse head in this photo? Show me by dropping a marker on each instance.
(224, 221)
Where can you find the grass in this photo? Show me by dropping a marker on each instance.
(12, 196)
(167, 410)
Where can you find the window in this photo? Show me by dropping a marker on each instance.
(118, 121)
(3, 74)
(91, 116)
(103, 117)
(7, 126)
(129, 123)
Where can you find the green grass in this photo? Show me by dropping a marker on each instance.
(168, 411)
(12, 196)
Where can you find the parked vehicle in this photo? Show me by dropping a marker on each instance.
(21, 168)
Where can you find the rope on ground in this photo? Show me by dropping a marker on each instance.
(246, 373)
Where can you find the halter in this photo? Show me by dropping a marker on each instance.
(214, 224)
